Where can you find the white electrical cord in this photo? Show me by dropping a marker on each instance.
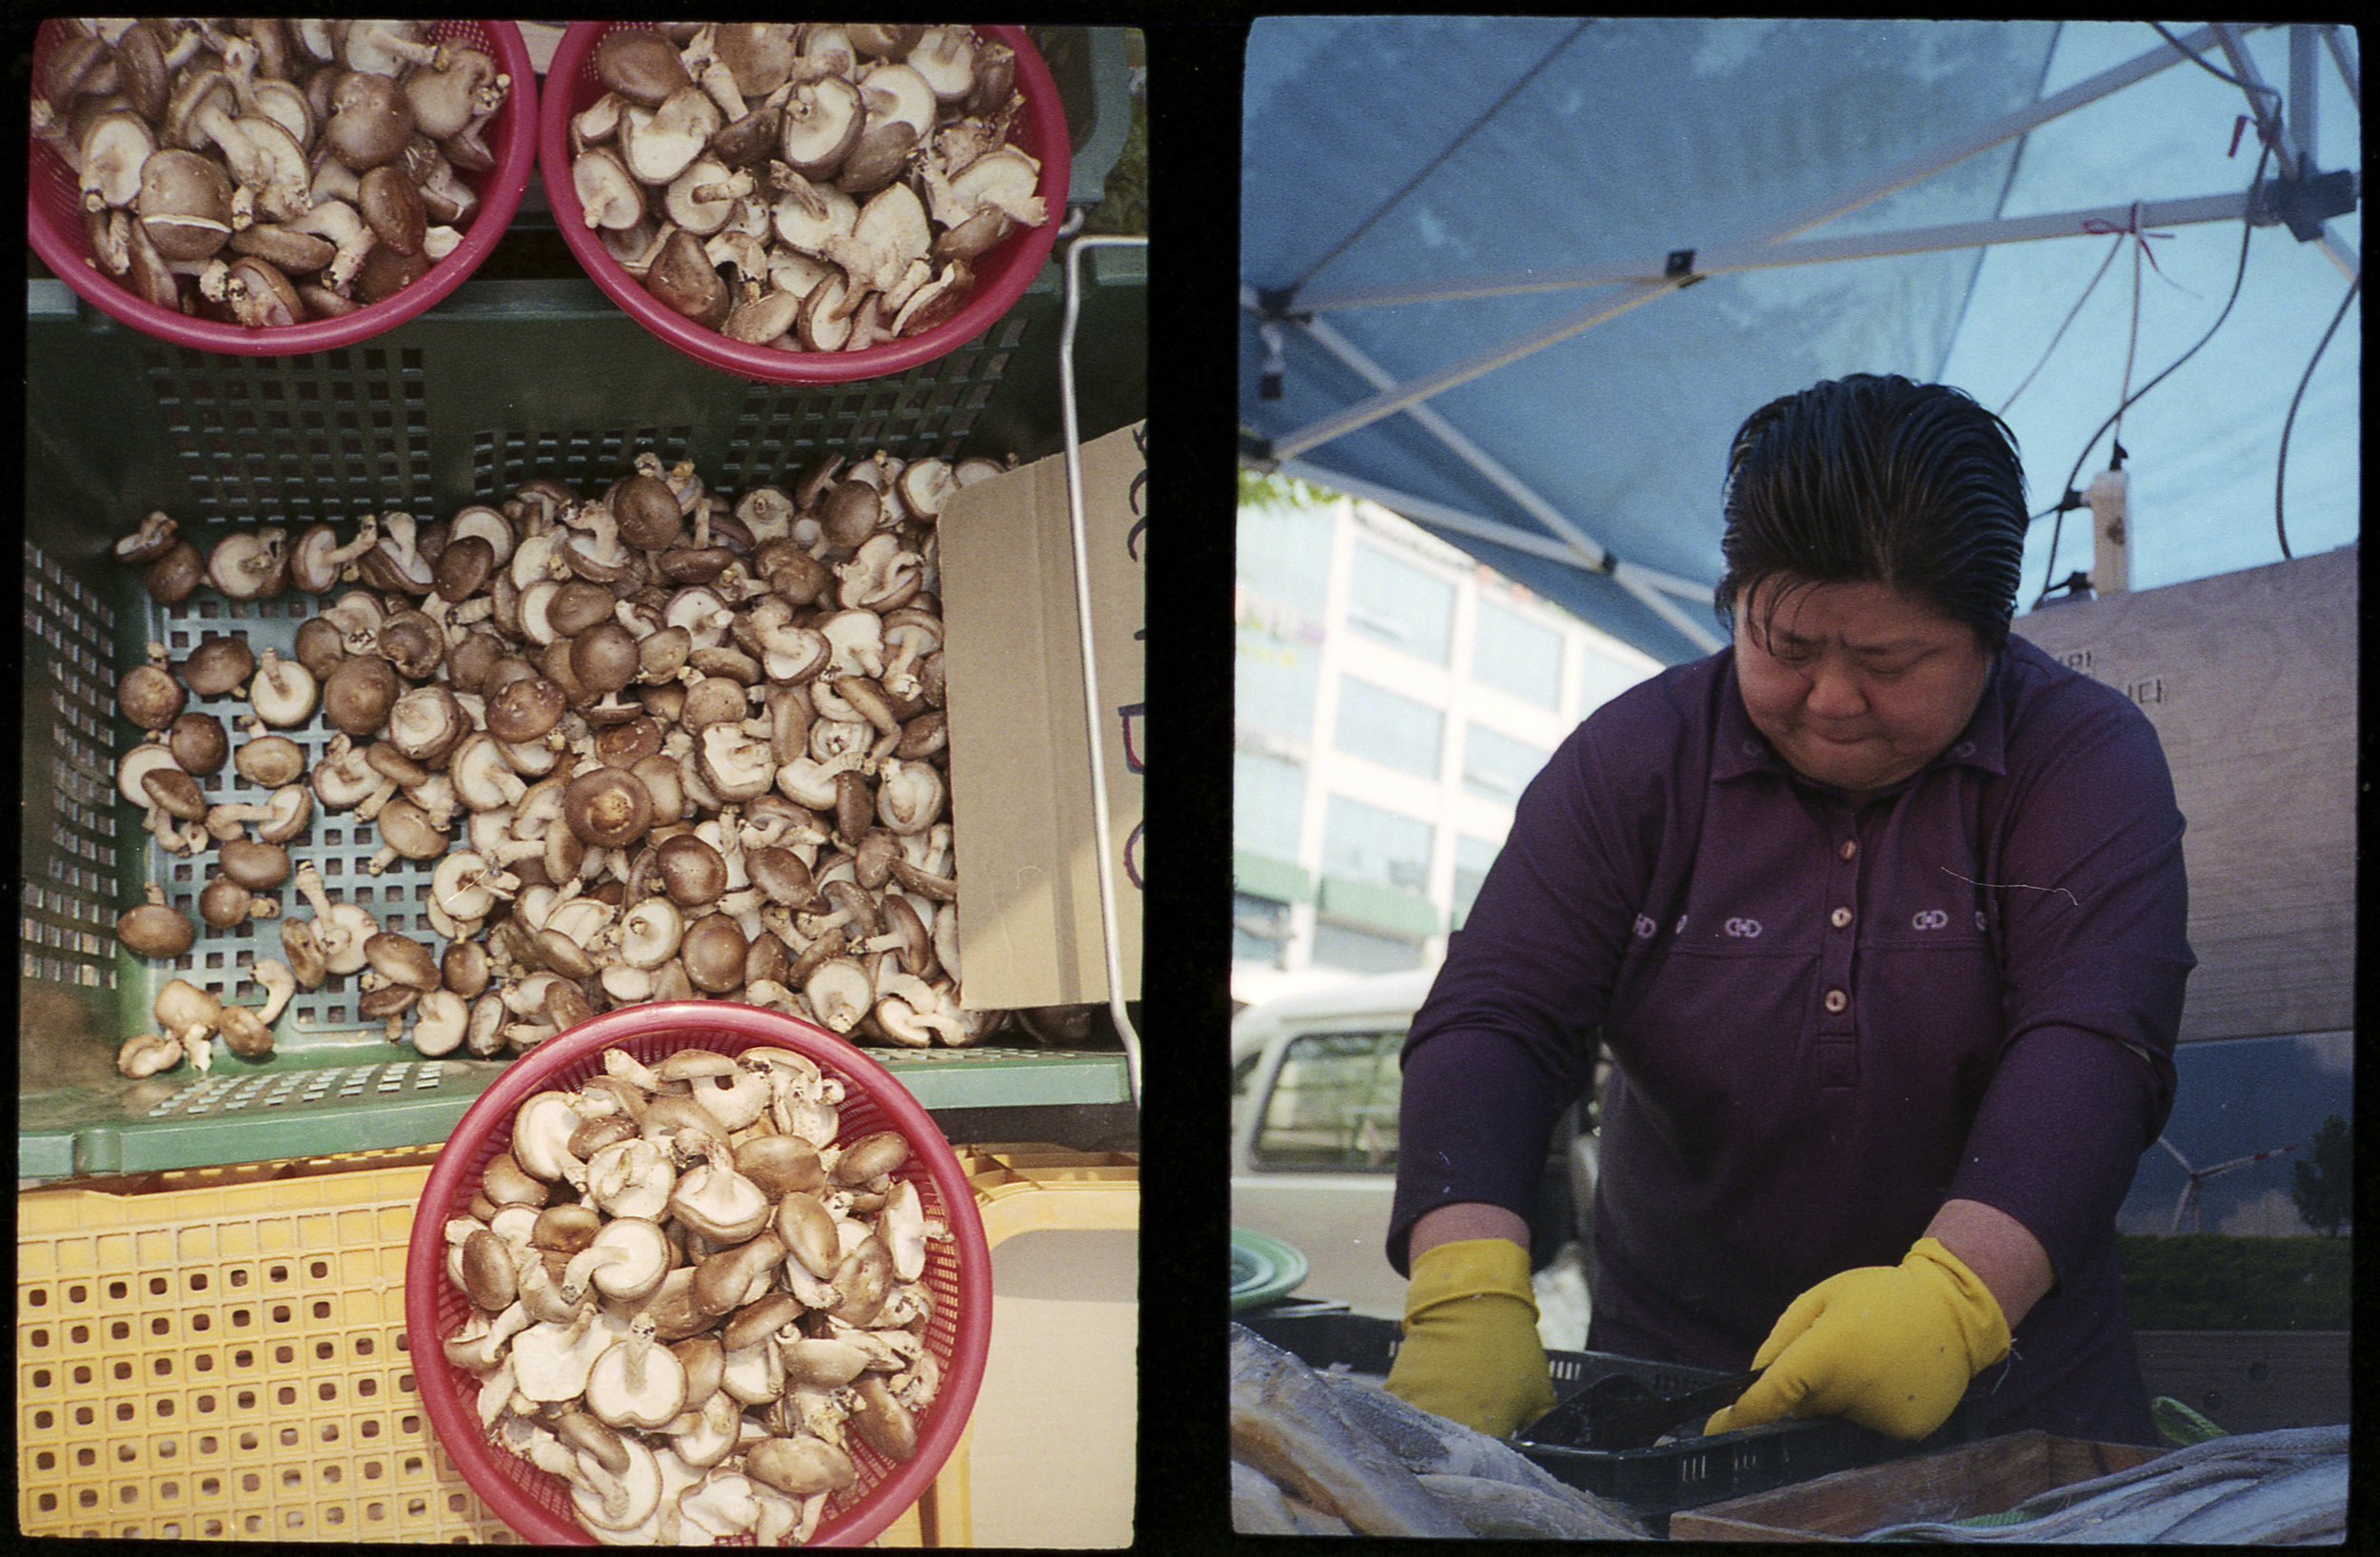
(1093, 709)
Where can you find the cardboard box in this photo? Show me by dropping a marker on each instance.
(2251, 678)
(1020, 797)
(1981, 1478)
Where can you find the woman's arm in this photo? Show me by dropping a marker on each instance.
(1464, 1220)
(1990, 1243)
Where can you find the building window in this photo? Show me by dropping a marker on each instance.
(1407, 607)
(1472, 855)
(1285, 553)
(1513, 654)
(1260, 929)
(1362, 951)
(1268, 798)
(1381, 848)
(1496, 767)
(1389, 728)
(1274, 681)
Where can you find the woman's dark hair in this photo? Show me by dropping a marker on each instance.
(1873, 478)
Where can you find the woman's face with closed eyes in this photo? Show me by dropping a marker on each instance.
(1857, 685)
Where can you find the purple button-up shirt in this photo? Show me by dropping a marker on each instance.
(1824, 1020)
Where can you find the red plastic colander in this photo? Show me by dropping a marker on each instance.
(53, 220)
(1001, 276)
(958, 1273)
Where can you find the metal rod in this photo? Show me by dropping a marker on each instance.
(1443, 517)
(2345, 60)
(2294, 157)
(1389, 403)
(2302, 89)
(1758, 256)
(2005, 128)
(1662, 605)
(2260, 98)
(1094, 712)
(1462, 447)
(1647, 585)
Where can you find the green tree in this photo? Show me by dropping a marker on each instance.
(2324, 1190)
(1259, 487)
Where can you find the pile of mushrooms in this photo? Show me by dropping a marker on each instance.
(824, 187)
(651, 743)
(264, 171)
(687, 1300)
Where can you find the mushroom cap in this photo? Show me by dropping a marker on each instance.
(155, 929)
(256, 864)
(805, 1467)
(150, 696)
(406, 960)
(607, 807)
(781, 1164)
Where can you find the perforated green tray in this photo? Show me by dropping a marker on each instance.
(502, 381)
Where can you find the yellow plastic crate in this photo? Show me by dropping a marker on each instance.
(220, 1352)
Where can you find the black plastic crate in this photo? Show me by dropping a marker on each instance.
(1655, 1481)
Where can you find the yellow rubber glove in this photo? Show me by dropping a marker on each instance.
(1471, 1352)
(1890, 1347)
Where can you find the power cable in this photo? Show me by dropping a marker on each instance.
(2281, 471)
(2077, 309)
(2071, 499)
(2194, 57)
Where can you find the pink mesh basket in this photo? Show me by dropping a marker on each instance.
(53, 220)
(959, 1271)
(1001, 275)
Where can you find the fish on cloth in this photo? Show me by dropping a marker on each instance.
(1359, 1455)
(2283, 1488)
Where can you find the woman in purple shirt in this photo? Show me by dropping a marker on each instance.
(1879, 913)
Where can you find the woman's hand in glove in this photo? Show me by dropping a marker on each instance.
(1471, 1352)
(1890, 1347)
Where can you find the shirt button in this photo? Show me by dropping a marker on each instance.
(1850, 847)
(1834, 1002)
(1840, 918)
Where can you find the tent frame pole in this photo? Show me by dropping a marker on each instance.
(1755, 256)
(1463, 448)
(2005, 128)
(2296, 152)
(1573, 546)
(1652, 588)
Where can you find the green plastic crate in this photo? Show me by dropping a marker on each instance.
(502, 381)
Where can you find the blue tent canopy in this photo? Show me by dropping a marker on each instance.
(1504, 275)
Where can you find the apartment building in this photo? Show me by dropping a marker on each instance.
(1392, 699)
